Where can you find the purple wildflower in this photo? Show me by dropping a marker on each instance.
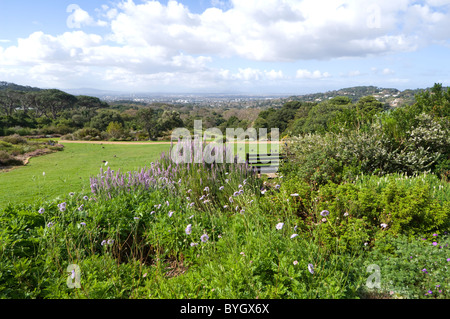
(50, 224)
(170, 214)
(62, 207)
(294, 235)
(83, 224)
(221, 188)
(103, 242)
(204, 238)
(194, 244)
(41, 211)
(324, 213)
(188, 229)
(434, 243)
(279, 226)
(85, 198)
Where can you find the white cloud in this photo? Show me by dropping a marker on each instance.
(305, 74)
(150, 41)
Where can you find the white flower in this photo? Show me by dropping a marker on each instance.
(294, 235)
(280, 226)
(384, 225)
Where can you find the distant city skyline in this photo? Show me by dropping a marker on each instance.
(220, 46)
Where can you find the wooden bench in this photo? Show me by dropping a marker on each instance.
(264, 163)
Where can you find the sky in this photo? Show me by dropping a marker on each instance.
(225, 46)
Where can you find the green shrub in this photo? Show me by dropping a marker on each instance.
(15, 139)
(86, 133)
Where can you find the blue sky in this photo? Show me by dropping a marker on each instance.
(229, 46)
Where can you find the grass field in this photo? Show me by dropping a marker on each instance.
(69, 170)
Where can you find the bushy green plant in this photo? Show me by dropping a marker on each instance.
(412, 268)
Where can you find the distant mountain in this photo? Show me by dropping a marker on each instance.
(12, 86)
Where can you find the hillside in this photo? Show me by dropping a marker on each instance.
(12, 86)
(393, 97)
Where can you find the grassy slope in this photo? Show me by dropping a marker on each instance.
(69, 170)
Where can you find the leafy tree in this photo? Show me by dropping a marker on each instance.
(90, 102)
(54, 101)
(147, 120)
(115, 129)
(170, 120)
(104, 117)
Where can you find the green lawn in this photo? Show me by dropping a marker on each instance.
(69, 170)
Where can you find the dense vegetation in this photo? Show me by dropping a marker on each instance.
(363, 187)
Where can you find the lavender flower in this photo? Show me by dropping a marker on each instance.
(71, 194)
(277, 186)
(294, 235)
(434, 243)
(311, 268)
(153, 212)
(204, 238)
(81, 208)
(345, 214)
(279, 226)
(194, 244)
(41, 211)
(85, 197)
(62, 207)
(50, 224)
(103, 242)
(295, 262)
(170, 214)
(188, 229)
(136, 218)
(206, 189)
(221, 188)
(294, 195)
(324, 213)
(110, 241)
(83, 224)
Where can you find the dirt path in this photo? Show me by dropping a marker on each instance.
(141, 143)
(119, 143)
